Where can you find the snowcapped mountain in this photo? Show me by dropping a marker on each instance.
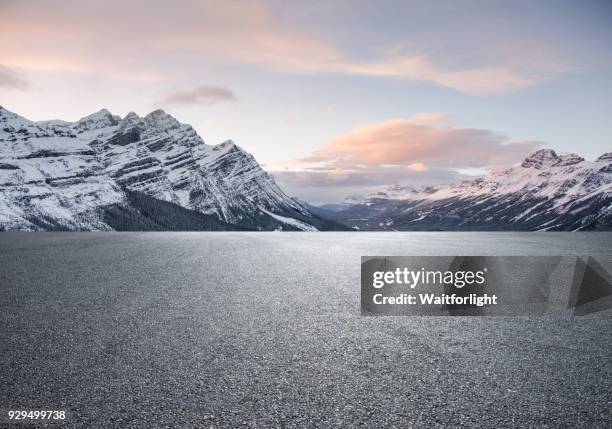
(104, 172)
(136, 173)
(393, 192)
(546, 192)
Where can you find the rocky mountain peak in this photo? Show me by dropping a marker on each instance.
(100, 119)
(17, 128)
(568, 159)
(605, 157)
(6, 114)
(161, 120)
(131, 117)
(539, 157)
(227, 146)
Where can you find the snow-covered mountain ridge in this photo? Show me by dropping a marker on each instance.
(87, 175)
(546, 192)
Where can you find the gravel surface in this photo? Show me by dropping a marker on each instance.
(264, 330)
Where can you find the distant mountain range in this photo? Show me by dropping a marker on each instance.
(104, 173)
(547, 192)
(154, 173)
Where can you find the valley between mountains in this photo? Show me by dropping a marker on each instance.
(153, 173)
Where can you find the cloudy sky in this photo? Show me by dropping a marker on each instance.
(333, 97)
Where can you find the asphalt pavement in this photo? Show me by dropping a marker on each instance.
(264, 330)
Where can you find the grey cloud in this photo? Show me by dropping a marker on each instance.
(199, 95)
(11, 79)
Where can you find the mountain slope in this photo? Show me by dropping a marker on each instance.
(546, 192)
(61, 175)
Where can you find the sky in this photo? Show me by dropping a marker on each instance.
(334, 98)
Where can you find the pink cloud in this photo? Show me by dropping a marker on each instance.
(417, 166)
(231, 32)
(478, 80)
(424, 150)
(421, 141)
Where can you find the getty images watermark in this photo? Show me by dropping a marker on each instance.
(411, 279)
(485, 285)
